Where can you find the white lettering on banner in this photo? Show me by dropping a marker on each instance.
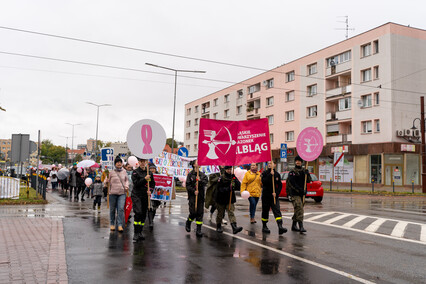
(248, 148)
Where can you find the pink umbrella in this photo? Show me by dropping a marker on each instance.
(96, 165)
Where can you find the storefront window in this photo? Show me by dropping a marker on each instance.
(413, 170)
(394, 165)
(376, 168)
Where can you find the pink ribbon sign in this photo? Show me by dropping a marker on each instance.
(309, 144)
(146, 134)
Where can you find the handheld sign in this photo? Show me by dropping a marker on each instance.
(309, 144)
(146, 139)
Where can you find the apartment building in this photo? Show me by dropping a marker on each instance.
(5, 147)
(363, 94)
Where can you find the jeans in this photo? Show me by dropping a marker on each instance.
(253, 203)
(116, 203)
(54, 184)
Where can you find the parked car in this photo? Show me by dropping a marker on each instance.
(314, 188)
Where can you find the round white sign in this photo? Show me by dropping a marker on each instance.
(146, 139)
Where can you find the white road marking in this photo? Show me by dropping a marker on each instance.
(402, 211)
(325, 267)
(320, 216)
(373, 227)
(354, 221)
(337, 218)
(423, 233)
(399, 229)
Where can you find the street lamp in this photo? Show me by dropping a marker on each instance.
(423, 148)
(97, 124)
(174, 98)
(66, 150)
(72, 138)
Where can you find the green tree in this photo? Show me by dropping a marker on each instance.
(78, 158)
(51, 153)
(169, 142)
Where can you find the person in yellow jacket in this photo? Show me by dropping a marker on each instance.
(252, 183)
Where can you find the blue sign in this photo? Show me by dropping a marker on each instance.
(183, 152)
(283, 146)
(283, 151)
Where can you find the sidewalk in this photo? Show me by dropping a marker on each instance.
(336, 186)
(32, 249)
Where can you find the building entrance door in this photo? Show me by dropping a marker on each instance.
(393, 172)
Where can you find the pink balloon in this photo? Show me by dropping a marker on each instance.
(132, 160)
(79, 170)
(245, 194)
(88, 182)
(240, 173)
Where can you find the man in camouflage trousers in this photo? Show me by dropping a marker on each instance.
(296, 190)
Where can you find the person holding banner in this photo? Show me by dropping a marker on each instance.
(140, 195)
(252, 183)
(154, 203)
(225, 199)
(296, 180)
(271, 184)
(196, 182)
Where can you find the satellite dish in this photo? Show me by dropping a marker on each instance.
(360, 104)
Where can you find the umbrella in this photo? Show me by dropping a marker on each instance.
(95, 165)
(85, 164)
(63, 174)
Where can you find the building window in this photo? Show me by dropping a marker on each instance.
(375, 46)
(376, 72)
(196, 135)
(289, 115)
(340, 58)
(188, 111)
(312, 90)
(188, 123)
(226, 98)
(226, 113)
(240, 94)
(366, 75)
(289, 136)
(196, 121)
(376, 99)
(269, 83)
(271, 137)
(345, 104)
(366, 50)
(270, 119)
(366, 101)
(270, 101)
(312, 111)
(239, 109)
(366, 127)
(195, 147)
(188, 136)
(196, 109)
(312, 69)
(215, 115)
(215, 102)
(289, 76)
(254, 88)
(289, 96)
(188, 147)
(377, 125)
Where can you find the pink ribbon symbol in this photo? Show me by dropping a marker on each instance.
(146, 133)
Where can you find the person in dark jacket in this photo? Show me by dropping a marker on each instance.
(268, 197)
(154, 203)
(80, 185)
(73, 180)
(297, 191)
(193, 191)
(226, 187)
(140, 195)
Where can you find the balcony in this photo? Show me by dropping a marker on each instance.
(253, 113)
(338, 91)
(341, 138)
(339, 68)
(345, 114)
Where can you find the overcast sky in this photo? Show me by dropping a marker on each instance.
(44, 95)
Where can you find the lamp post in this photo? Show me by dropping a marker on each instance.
(423, 147)
(97, 124)
(72, 137)
(66, 150)
(174, 97)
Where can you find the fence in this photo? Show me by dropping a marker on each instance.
(41, 186)
(9, 187)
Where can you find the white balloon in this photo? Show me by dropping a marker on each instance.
(132, 160)
(245, 194)
(88, 182)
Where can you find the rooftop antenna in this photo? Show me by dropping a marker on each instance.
(347, 28)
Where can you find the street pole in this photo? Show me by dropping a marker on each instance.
(72, 139)
(38, 160)
(174, 97)
(422, 129)
(97, 125)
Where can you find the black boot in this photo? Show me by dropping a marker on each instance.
(235, 229)
(136, 232)
(141, 236)
(94, 206)
(302, 230)
(198, 233)
(188, 225)
(265, 228)
(281, 229)
(150, 219)
(294, 227)
(219, 227)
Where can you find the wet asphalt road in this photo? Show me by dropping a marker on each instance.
(328, 253)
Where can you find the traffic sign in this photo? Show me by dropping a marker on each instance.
(183, 152)
(283, 146)
(338, 159)
(283, 153)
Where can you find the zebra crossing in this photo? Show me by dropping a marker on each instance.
(385, 227)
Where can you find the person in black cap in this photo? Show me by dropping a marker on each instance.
(191, 187)
(296, 189)
(227, 185)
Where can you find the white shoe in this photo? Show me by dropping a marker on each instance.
(224, 222)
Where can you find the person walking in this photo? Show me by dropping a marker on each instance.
(54, 178)
(252, 183)
(119, 185)
(296, 188)
(104, 179)
(97, 192)
(73, 180)
(80, 185)
(195, 212)
(140, 195)
(225, 199)
(154, 203)
(271, 189)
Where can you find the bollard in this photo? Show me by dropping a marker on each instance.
(393, 186)
(412, 186)
(372, 184)
(331, 185)
(351, 185)
(28, 187)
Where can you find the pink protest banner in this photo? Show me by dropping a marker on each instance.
(163, 190)
(229, 143)
(309, 144)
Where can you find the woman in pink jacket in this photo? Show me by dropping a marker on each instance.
(119, 185)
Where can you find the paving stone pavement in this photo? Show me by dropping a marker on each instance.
(32, 250)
